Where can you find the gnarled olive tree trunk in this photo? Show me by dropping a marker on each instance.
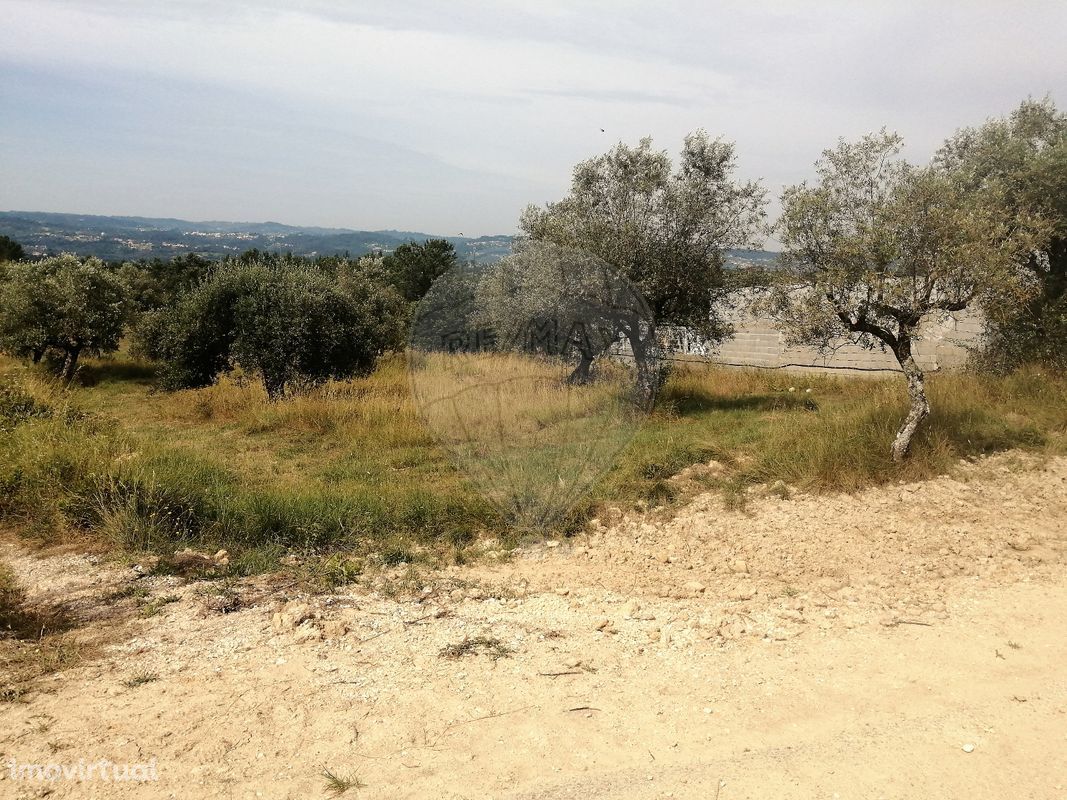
(920, 406)
(70, 363)
(583, 372)
(646, 361)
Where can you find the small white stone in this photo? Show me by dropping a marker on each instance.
(968, 748)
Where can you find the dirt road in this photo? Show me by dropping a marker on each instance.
(904, 642)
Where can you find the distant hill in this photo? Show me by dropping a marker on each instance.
(120, 238)
(114, 238)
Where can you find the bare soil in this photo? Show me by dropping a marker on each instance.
(903, 642)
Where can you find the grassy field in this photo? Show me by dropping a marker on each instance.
(351, 468)
(529, 441)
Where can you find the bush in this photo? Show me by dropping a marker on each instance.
(17, 405)
(292, 325)
(1037, 335)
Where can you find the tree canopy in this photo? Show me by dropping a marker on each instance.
(10, 250)
(1023, 158)
(290, 324)
(878, 245)
(413, 267)
(664, 230)
(567, 304)
(155, 284)
(64, 303)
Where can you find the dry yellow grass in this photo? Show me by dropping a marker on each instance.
(528, 439)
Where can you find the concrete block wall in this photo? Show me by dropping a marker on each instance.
(757, 343)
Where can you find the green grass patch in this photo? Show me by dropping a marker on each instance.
(350, 469)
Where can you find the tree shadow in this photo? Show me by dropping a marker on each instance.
(690, 402)
(108, 371)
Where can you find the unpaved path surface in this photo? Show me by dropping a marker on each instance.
(904, 642)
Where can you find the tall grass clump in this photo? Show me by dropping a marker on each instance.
(51, 455)
(12, 616)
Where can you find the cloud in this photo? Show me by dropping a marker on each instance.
(438, 110)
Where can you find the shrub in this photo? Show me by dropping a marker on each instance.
(290, 324)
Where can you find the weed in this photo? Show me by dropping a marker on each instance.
(778, 489)
(338, 784)
(473, 645)
(153, 607)
(395, 556)
(11, 599)
(133, 590)
(340, 569)
(140, 679)
(223, 600)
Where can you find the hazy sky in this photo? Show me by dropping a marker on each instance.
(450, 117)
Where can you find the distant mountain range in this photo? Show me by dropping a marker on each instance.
(121, 238)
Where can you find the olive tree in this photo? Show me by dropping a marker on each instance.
(553, 301)
(663, 229)
(291, 324)
(152, 285)
(27, 311)
(878, 245)
(70, 305)
(1024, 158)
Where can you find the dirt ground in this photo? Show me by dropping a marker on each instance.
(903, 642)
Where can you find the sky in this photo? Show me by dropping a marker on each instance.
(450, 118)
